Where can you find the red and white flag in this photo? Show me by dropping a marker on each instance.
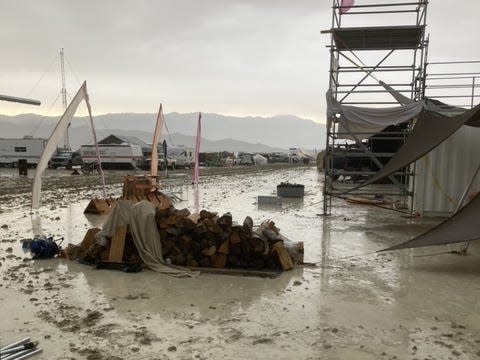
(346, 5)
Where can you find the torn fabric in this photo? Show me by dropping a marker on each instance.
(430, 131)
(461, 227)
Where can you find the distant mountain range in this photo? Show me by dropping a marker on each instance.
(219, 132)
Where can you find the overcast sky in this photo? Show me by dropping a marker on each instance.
(244, 57)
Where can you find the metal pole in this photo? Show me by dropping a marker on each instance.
(368, 73)
(473, 91)
(462, 199)
(19, 100)
(66, 143)
(20, 342)
(27, 355)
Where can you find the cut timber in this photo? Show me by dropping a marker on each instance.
(74, 252)
(219, 260)
(87, 241)
(282, 256)
(117, 244)
(223, 249)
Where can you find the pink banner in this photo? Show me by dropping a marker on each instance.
(346, 5)
(196, 170)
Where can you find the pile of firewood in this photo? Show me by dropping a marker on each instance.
(209, 240)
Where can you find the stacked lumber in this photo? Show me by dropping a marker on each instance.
(209, 240)
(135, 189)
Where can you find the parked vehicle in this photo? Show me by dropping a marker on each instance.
(114, 156)
(180, 157)
(65, 159)
(28, 148)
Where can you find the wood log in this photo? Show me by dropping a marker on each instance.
(248, 225)
(257, 243)
(204, 214)
(209, 251)
(194, 218)
(271, 235)
(182, 213)
(234, 238)
(225, 221)
(282, 256)
(218, 260)
(82, 248)
(295, 249)
(224, 248)
(270, 225)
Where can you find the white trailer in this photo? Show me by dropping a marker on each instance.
(28, 148)
(114, 156)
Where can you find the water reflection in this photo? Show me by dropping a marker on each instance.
(157, 293)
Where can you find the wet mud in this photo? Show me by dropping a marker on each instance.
(355, 304)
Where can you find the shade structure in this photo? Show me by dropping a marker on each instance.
(430, 131)
(461, 227)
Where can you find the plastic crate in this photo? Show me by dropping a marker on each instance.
(291, 190)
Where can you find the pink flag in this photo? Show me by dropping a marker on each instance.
(346, 5)
(196, 171)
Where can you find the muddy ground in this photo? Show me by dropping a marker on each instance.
(412, 304)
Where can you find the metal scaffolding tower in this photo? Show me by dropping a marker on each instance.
(392, 51)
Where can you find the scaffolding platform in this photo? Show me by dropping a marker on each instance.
(378, 38)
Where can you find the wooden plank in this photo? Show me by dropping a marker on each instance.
(282, 255)
(117, 244)
(97, 206)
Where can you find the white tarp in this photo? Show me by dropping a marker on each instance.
(260, 160)
(370, 121)
(140, 219)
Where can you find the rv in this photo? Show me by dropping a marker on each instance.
(114, 156)
(28, 148)
(182, 156)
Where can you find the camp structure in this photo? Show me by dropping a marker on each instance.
(358, 105)
(385, 109)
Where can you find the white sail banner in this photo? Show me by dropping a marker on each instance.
(156, 137)
(53, 142)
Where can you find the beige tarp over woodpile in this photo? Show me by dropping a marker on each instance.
(140, 219)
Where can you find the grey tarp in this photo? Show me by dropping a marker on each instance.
(365, 121)
(430, 131)
(461, 227)
(141, 221)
